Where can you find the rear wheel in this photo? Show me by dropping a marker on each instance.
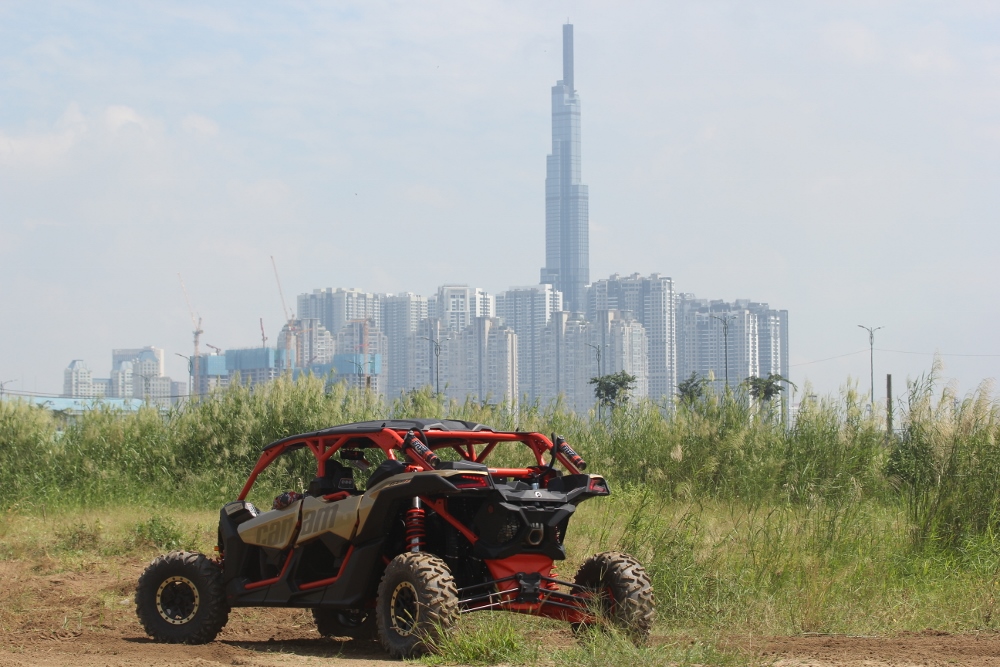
(417, 604)
(180, 600)
(622, 593)
(353, 623)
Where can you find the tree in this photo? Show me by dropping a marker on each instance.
(613, 390)
(765, 389)
(692, 389)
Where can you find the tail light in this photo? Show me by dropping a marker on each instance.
(470, 481)
(599, 486)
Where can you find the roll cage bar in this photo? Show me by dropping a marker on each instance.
(390, 441)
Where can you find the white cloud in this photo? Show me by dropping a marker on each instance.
(854, 41)
(118, 117)
(930, 60)
(202, 125)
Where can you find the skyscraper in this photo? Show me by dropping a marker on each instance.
(567, 219)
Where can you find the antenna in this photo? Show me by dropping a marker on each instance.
(196, 321)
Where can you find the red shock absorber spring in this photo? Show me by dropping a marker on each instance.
(415, 531)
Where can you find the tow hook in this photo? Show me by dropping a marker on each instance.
(530, 584)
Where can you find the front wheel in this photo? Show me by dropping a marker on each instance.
(180, 599)
(621, 590)
(417, 603)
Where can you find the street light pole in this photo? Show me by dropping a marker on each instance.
(871, 358)
(597, 348)
(190, 372)
(4, 384)
(726, 319)
(437, 364)
(361, 371)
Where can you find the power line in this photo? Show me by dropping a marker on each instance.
(882, 349)
(937, 354)
(839, 356)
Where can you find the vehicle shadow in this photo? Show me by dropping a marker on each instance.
(319, 648)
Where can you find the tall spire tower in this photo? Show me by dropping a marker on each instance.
(567, 220)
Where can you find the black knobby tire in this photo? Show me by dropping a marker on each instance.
(353, 623)
(180, 599)
(622, 592)
(417, 603)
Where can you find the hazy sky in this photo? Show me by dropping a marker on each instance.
(840, 160)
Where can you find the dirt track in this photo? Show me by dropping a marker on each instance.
(85, 618)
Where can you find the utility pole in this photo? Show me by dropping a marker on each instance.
(725, 319)
(437, 365)
(888, 408)
(871, 353)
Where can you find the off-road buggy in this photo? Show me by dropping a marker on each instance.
(427, 540)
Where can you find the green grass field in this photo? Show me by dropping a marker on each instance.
(748, 527)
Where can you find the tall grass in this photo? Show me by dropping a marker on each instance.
(944, 466)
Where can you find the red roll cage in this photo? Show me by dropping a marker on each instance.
(390, 441)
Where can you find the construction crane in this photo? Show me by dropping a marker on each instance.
(218, 350)
(289, 317)
(263, 336)
(196, 321)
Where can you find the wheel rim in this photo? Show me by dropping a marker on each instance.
(177, 600)
(403, 608)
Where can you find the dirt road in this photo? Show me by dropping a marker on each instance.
(85, 618)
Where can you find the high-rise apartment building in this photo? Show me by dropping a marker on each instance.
(401, 316)
(255, 365)
(567, 217)
(458, 305)
(309, 342)
(528, 310)
(652, 302)
(772, 334)
(752, 336)
(569, 361)
(334, 308)
(121, 380)
(213, 373)
(360, 357)
(120, 355)
(481, 362)
(624, 348)
(78, 380)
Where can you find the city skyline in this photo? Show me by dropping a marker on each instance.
(809, 158)
(538, 343)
